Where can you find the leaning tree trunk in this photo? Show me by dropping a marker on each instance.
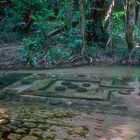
(130, 22)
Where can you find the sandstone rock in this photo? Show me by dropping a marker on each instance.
(30, 125)
(30, 137)
(0, 134)
(125, 92)
(49, 135)
(62, 135)
(73, 137)
(55, 102)
(4, 121)
(86, 85)
(81, 131)
(68, 103)
(44, 126)
(120, 107)
(4, 128)
(12, 127)
(16, 123)
(14, 136)
(21, 130)
(36, 132)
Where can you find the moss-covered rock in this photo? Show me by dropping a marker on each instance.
(60, 88)
(126, 92)
(81, 89)
(36, 132)
(66, 83)
(2, 96)
(26, 82)
(120, 108)
(73, 86)
(9, 79)
(86, 85)
(14, 136)
(81, 131)
(55, 102)
(30, 137)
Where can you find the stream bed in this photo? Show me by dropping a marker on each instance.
(88, 103)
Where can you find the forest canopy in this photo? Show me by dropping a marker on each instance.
(55, 32)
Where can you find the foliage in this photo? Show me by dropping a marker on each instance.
(33, 50)
(31, 21)
(56, 54)
(118, 22)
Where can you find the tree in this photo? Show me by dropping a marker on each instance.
(83, 27)
(130, 22)
(95, 31)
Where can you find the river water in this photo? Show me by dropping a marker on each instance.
(84, 103)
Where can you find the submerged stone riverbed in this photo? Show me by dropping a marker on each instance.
(86, 104)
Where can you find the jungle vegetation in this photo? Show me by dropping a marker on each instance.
(56, 31)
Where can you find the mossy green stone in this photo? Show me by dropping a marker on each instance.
(2, 96)
(73, 86)
(80, 89)
(60, 88)
(25, 82)
(66, 83)
(86, 85)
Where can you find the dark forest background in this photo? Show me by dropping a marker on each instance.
(56, 32)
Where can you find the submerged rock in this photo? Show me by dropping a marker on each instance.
(60, 88)
(125, 92)
(66, 83)
(80, 89)
(55, 102)
(86, 85)
(14, 136)
(36, 132)
(30, 137)
(21, 130)
(73, 86)
(81, 131)
(49, 135)
(30, 125)
(26, 82)
(4, 121)
(120, 107)
(2, 96)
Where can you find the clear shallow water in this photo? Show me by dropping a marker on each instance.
(32, 108)
(104, 70)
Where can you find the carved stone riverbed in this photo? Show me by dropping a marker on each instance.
(69, 106)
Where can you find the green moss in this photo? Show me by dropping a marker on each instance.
(125, 92)
(61, 115)
(80, 89)
(60, 88)
(25, 82)
(86, 85)
(11, 78)
(73, 86)
(2, 96)
(66, 83)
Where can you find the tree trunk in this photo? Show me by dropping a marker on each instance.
(83, 27)
(130, 22)
(95, 32)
